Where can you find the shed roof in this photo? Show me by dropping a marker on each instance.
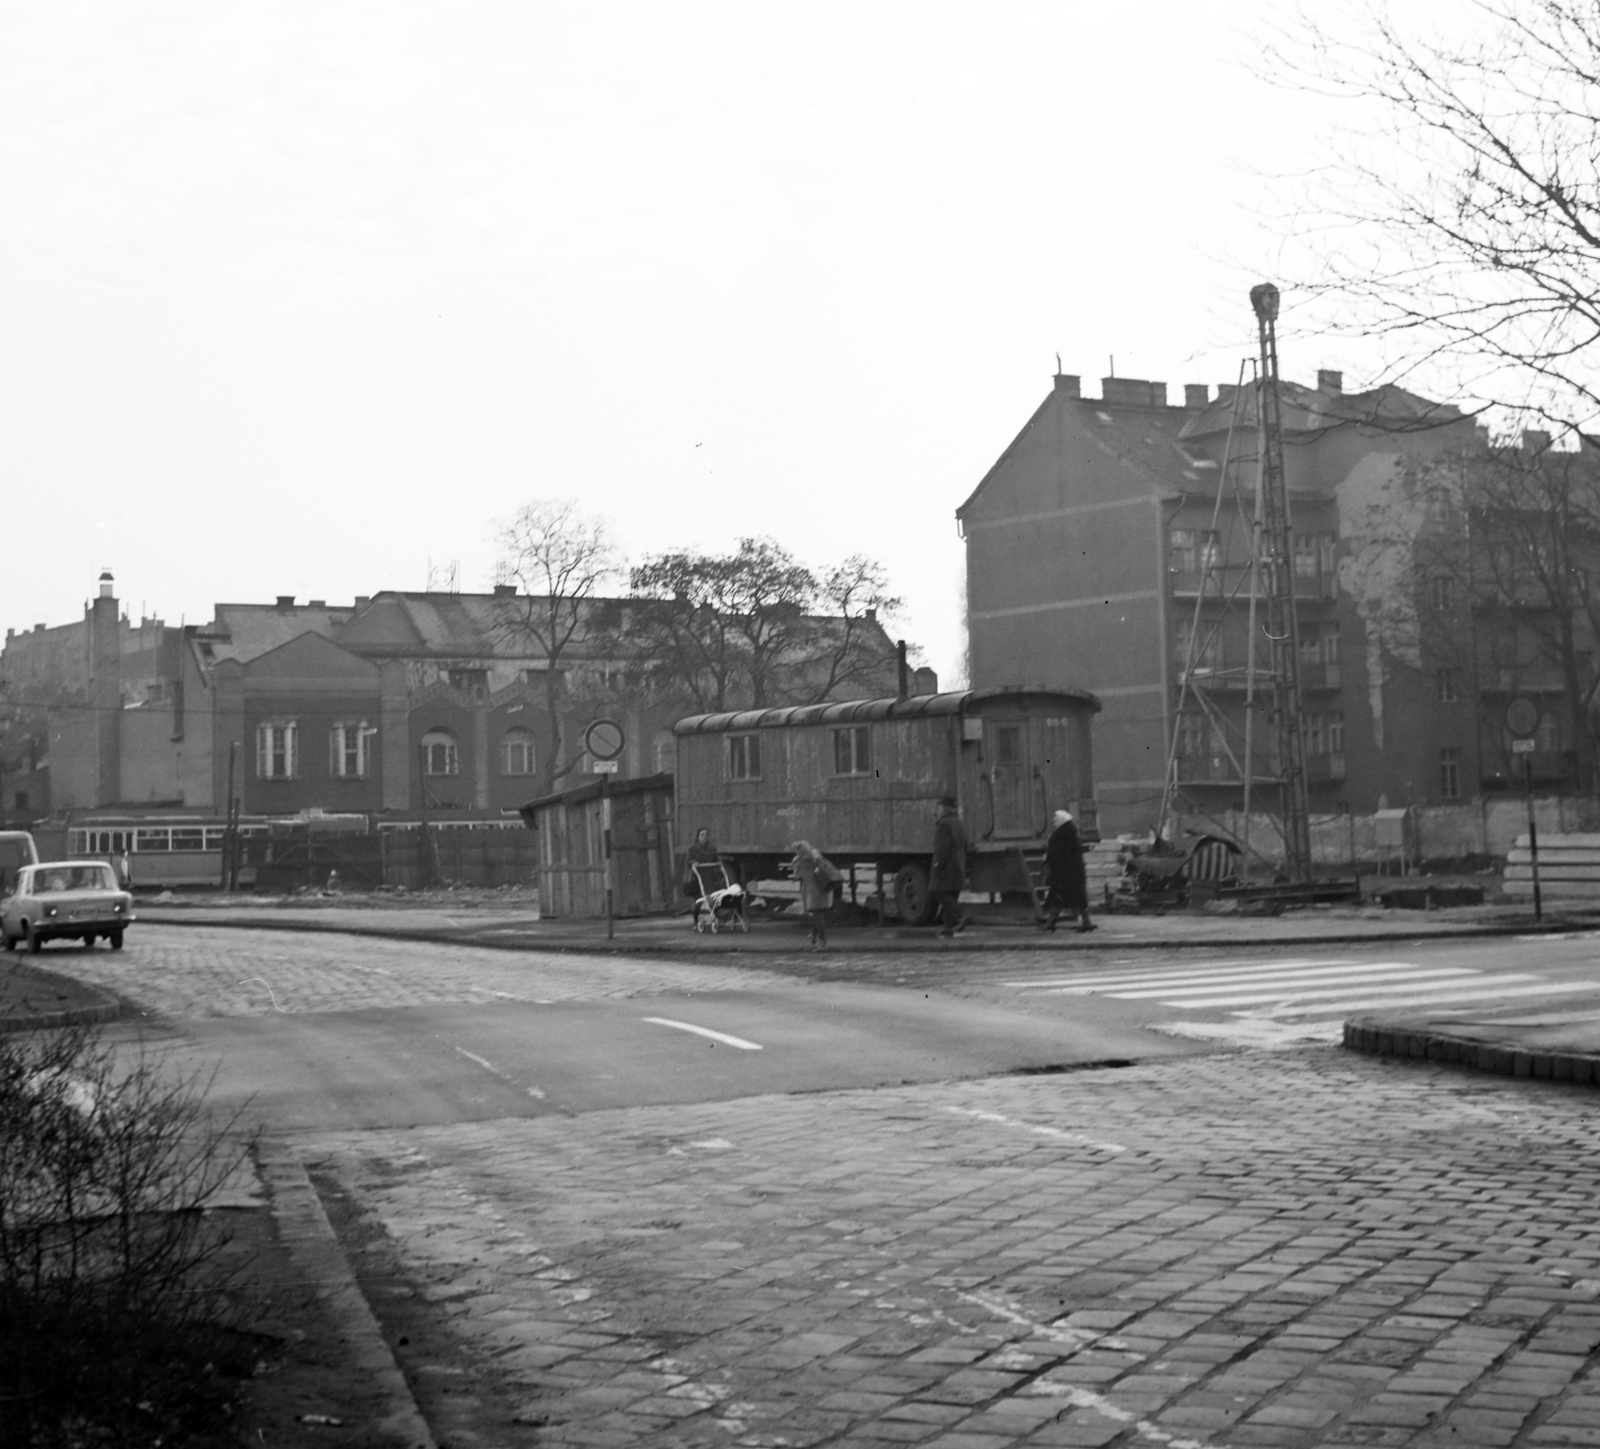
(917, 706)
(590, 790)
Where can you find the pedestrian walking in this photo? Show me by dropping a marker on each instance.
(1065, 878)
(817, 876)
(702, 852)
(949, 873)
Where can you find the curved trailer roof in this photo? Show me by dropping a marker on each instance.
(917, 706)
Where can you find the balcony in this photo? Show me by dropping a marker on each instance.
(1320, 676)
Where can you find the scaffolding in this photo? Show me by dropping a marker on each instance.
(1273, 758)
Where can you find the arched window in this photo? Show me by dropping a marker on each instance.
(516, 753)
(439, 753)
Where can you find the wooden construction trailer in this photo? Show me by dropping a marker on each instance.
(860, 781)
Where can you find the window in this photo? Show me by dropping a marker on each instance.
(1441, 593)
(1192, 550)
(744, 757)
(1008, 744)
(1305, 555)
(439, 753)
(1330, 643)
(1449, 685)
(516, 753)
(277, 750)
(1450, 774)
(1547, 738)
(1316, 740)
(350, 750)
(21, 800)
(852, 751)
(468, 679)
(1207, 653)
(1192, 735)
(1335, 718)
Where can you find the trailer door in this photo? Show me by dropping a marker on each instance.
(1011, 777)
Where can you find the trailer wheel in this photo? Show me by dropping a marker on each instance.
(911, 895)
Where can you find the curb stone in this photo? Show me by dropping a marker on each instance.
(320, 1263)
(567, 946)
(1579, 1068)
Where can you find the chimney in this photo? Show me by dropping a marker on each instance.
(317, 604)
(1329, 381)
(505, 591)
(1133, 392)
(872, 616)
(905, 679)
(1226, 390)
(285, 603)
(105, 584)
(925, 681)
(1196, 394)
(362, 600)
(1069, 384)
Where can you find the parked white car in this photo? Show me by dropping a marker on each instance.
(73, 898)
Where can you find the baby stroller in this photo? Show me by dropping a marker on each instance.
(721, 902)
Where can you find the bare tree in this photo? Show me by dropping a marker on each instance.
(560, 559)
(854, 593)
(1498, 582)
(755, 627)
(1460, 219)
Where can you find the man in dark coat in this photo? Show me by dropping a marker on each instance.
(1064, 875)
(949, 873)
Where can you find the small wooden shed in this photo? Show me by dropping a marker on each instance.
(571, 832)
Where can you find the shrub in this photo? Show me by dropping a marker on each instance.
(113, 1283)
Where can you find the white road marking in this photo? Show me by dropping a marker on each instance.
(1203, 972)
(1076, 1138)
(1489, 993)
(1296, 987)
(1474, 984)
(495, 1071)
(705, 1031)
(1298, 979)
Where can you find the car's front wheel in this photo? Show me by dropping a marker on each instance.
(115, 937)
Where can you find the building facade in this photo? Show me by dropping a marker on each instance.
(1109, 549)
(399, 705)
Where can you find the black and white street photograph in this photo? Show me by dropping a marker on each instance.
(743, 725)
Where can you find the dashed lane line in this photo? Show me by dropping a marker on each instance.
(705, 1031)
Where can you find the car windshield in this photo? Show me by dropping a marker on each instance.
(72, 878)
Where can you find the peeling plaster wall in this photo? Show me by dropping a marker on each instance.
(1379, 516)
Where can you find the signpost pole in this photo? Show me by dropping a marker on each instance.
(605, 829)
(1533, 835)
(604, 740)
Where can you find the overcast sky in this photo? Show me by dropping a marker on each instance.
(297, 297)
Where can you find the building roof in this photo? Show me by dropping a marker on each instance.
(856, 711)
(1142, 435)
(244, 631)
(1314, 410)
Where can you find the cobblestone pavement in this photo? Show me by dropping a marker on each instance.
(1243, 1249)
(199, 972)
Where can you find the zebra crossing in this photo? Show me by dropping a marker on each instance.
(1301, 988)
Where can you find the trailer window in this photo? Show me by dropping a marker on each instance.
(1008, 745)
(744, 757)
(852, 751)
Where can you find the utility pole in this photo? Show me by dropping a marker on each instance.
(1283, 628)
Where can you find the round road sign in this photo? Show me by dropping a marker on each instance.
(604, 739)
(1522, 716)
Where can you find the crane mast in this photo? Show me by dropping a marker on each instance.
(1275, 561)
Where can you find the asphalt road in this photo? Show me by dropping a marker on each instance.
(410, 1066)
(328, 1031)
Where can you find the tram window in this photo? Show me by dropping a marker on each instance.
(188, 838)
(215, 835)
(153, 840)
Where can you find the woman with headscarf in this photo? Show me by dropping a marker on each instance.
(1065, 877)
(817, 876)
